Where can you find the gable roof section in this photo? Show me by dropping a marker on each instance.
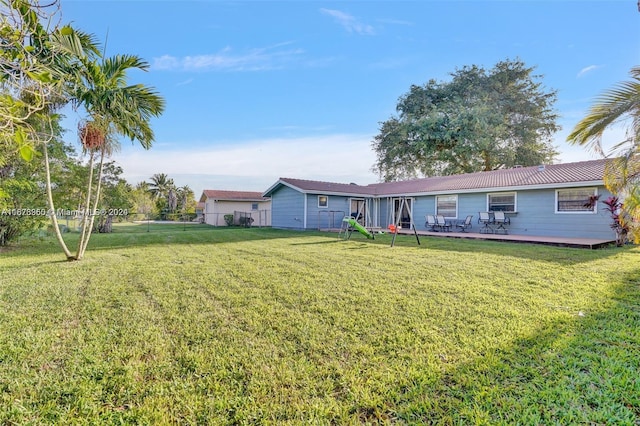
(221, 195)
(555, 175)
(314, 186)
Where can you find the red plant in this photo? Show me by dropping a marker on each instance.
(593, 199)
(614, 206)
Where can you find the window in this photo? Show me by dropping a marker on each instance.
(323, 201)
(254, 206)
(447, 205)
(576, 200)
(503, 202)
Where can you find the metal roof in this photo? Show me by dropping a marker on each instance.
(560, 175)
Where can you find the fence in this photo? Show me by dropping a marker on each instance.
(257, 218)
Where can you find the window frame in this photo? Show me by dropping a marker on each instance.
(455, 197)
(324, 205)
(515, 201)
(594, 192)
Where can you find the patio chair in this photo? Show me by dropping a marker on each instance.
(442, 223)
(465, 224)
(485, 219)
(431, 224)
(501, 220)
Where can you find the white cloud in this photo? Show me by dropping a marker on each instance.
(396, 22)
(348, 22)
(165, 62)
(257, 59)
(255, 165)
(587, 70)
(571, 153)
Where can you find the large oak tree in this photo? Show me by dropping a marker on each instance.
(480, 120)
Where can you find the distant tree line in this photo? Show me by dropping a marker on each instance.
(160, 198)
(23, 205)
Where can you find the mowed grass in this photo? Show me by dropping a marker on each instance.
(199, 325)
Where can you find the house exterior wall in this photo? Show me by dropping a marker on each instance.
(536, 214)
(383, 213)
(214, 211)
(326, 217)
(287, 208)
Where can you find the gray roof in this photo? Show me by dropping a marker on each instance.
(223, 195)
(559, 175)
(326, 187)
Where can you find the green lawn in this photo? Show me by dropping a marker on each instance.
(200, 325)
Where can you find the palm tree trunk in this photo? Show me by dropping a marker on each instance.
(95, 207)
(52, 209)
(88, 213)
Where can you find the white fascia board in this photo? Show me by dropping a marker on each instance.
(280, 182)
(342, 194)
(317, 191)
(498, 189)
(242, 199)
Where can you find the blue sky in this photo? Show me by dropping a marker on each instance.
(259, 90)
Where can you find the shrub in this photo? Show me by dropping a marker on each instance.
(228, 219)
(614, 206)
(245, 221)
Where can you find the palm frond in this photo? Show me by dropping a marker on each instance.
(620, 103)
(75, 43)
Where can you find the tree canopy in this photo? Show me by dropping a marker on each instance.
(35, 55)
(480, 120)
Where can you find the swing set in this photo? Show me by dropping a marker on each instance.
(394, 227)
(349, 223)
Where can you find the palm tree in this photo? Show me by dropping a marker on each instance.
(621, 104)
(35, 75)
(185, 193)
(160, 185)
(185, 196)
(113, 108)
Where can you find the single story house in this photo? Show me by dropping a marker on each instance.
(548, 200)
(240, 204)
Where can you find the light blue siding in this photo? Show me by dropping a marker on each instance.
(287, 208)
(423, 206)
(321, 217)
(535, 216)
(383, 213)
